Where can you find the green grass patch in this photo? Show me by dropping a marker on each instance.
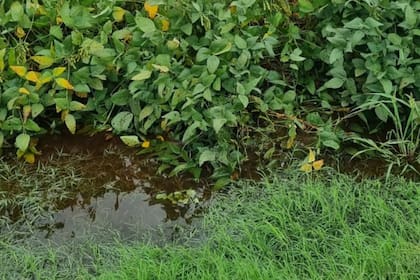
(285, 227)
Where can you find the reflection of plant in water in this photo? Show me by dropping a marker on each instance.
(401, 147)
(179, 197)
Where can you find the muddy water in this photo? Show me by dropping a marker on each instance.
(118, 191)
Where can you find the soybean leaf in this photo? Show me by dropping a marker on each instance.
(130, 140)
(122, 121)
(22, 141)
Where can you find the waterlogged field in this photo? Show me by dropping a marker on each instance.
(82, 185)
(204, 95)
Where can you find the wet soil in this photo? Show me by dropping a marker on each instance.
(119, 190)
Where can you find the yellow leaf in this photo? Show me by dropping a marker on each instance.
(23, 90)
(118, 14)
(41, 10)
(2, 54)
(43, 61)
(29, 158)
(19, 153)
(26, 112)
(165, 25)
(64, 114)
(306, 167)
(64, 83)
(160, 137)
(58, 71)
(317, 165)
(33, 76)
(311, 156)
(82, 94)
(151, 10)
(145, 144)
(20, 70)
(58, 20)
(20, 33)
(290, 142)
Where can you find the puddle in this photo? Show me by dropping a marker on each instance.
(118, 191)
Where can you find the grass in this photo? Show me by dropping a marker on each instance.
(285, 227)
(28, 193)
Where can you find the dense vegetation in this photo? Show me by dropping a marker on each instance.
(192, 80)
(287, 227)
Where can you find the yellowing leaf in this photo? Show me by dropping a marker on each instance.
(26, 111)
(58, 71)
(161, 68)
(2, 54)
(160, 137)
(24, 91)
(20, 153)
(233, 9)
(118, 14)
(20, 70)
(317, 165)
(70, 122)
(290, 142)
(82, 94)
(311, 156)
(306, 167)
(33, 76)
(41, 10)
(145, 144)
(59, 20)
(29, 158)
(43, 61)
(143, 75)
(151, 10)
(20, 33)
(64, 83)
(165, 25)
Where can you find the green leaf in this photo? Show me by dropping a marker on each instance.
(187, 29)
(143, 75)
(145, 112)
(410, 16)
(244, 100)
(130, 140)
(16, 11)
(190, 132)
(121, 97)
(70, 122)
(56, 32)
(387, 85)
(1, 139)
(305, 6)
(381, 113)
(212, 64)
(334, 83)
(335, 55)
(122, 121)
(206, 156)
(240, 42)
(30, 125)
(218, 123)
(295, 55)
(145, 24)
(22, 141)
(289, 96)
(77, 106)
(331, 144)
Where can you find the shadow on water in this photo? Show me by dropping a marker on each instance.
(119, 191)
